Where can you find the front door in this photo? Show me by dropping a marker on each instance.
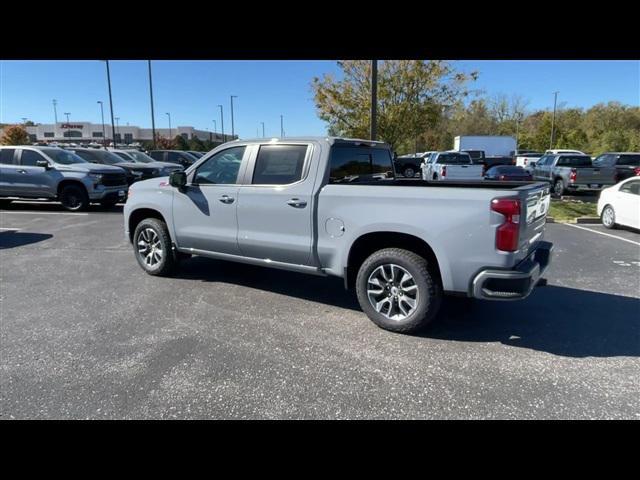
(275, 204)
(30, 179)
(204, 212)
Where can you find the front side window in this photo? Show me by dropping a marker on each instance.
(279, 164)
(604, 161)
(64, 157)
(353, 163)
(6, 156)
(29, 158)
(221, 168)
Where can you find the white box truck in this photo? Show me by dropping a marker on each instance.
(492, 145)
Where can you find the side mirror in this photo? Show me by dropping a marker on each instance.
(178, 179)
(44, 164)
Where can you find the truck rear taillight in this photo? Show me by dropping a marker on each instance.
(507, 233)
(636, 170)
(444, 171)
(573, 175)
(502, 177)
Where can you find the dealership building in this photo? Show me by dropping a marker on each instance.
(86, 132)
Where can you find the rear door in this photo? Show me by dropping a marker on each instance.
(8, 172)
(275, 203)
(204, 212)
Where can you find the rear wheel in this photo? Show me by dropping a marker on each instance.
(152, 247)
(608, 217)
(74, 198)
(558, 187)
(409, 172)
(397, 290)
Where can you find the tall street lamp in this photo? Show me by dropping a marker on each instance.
(232, 129)
(113, 126)
(55, 112)
(118, 127)
(224, 139)
(281, 127)
(104, 135)
(215, 128)
(153, 119)
(262, 129)
(169, 115)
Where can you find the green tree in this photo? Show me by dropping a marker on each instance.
(180, 143)
(411, 94)
(15, 135)
(196, 144)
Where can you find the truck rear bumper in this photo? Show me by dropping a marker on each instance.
(515, 284)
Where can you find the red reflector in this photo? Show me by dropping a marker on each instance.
(507, 233)
(502, 177)
(444, 171)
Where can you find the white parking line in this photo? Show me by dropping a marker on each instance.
(41, 213)
(13, 229)
(602, 233)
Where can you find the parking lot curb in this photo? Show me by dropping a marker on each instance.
(591, 220)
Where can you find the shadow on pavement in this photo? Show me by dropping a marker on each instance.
(558, 320)
(12, 238)
(27, 206)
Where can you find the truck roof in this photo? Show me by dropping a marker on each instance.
(328, 139)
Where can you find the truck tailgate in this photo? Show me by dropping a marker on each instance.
(535, 206)
(595, 176)
(463, 172)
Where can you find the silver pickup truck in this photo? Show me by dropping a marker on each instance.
(323, 206)
(572, 172)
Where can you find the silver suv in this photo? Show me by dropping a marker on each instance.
(57, 174)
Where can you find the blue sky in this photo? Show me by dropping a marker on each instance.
(191, 90)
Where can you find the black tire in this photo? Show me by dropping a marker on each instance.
(167, 262)
(608, 222)
(74, 198)
(429, 296)
(409, 172)
(558, 187)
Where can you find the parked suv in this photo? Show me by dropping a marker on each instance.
(57, 174)
(173, 156)
(135, 171)
(626, 164)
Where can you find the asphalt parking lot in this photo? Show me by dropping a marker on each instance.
(85, 333)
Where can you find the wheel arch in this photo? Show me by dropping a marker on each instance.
(139, 214)
(370, 242)
(66, 182)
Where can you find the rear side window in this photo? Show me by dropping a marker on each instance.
(352, 163)
(279, 164)
(6, 156)
(29, 158)
(631, 187)
(629, 160)
(158, 156)
(604, 161)
(574, 161)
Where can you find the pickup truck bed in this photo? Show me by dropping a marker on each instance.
(312, 205)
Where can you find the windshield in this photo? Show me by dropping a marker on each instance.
(63, 157)
(111, 158)
(574, 161)
(140, 157)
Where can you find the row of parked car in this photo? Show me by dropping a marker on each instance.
(77, 176)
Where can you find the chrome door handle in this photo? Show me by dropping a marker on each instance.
(226, 199)
(22, 171)
(297, 203)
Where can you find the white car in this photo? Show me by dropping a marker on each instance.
(620, 204)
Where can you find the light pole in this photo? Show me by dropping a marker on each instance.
(104, 135)
(117, 127)
(24, 120)
(169, 115)
(66, 114)
(374, 99)
(518, 119)
(281, 127)
(113, 127)
(553, 119)
(153, 119)
(232, 129)
(262, 129)
(55, 112)
(224, 139)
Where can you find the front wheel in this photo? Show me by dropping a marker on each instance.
(608, 217)
(398, 291)
(152, 247)
(74, 198)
